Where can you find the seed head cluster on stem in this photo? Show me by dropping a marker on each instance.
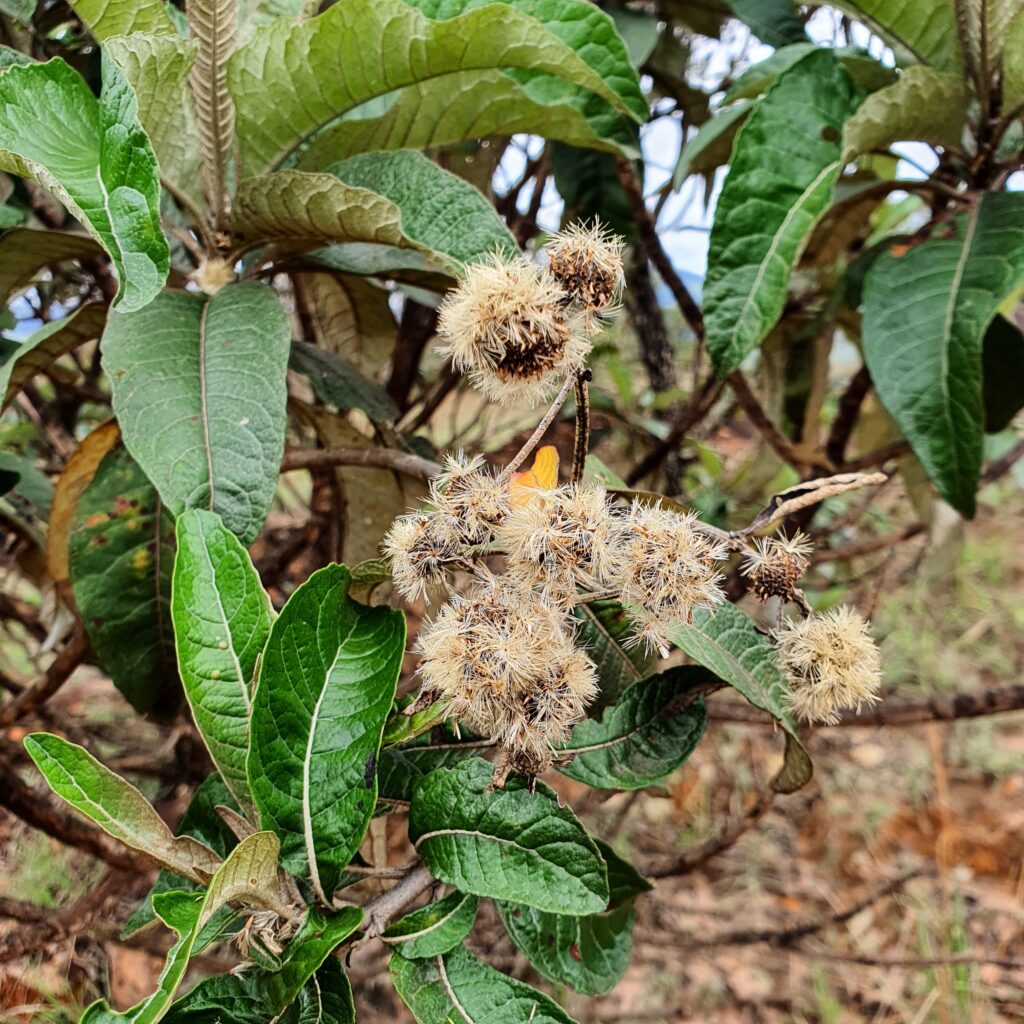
(504, 650)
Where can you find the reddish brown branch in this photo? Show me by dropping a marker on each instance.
(866, 547)
(386, 458)
(850, 402)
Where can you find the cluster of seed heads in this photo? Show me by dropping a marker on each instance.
(519, 329)
(503, 650)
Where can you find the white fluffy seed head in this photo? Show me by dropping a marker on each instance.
(832, 663)
(507, 325)
(504, 659)
(586, 261)
(420, 554)
(561, 540)
(470, 501)
(666, 567)
(776, 565)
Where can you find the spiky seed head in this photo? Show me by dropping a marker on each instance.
(505, 661)
(666, 567)
(470, 500)
(507, 326)
(586, 260)
(561, 540)
(776, 565)
(420, 554)
(832, 663)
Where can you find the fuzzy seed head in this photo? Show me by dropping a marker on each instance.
(470, 500)
(420, 554)
(587, 262)
(505, 661)
(561, 540)
(667, 568)
(832, 663)
(213, 274)
(776, 565)
(507, 326)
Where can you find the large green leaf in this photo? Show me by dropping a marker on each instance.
(919, 31)
(120, 555)
(459, 988)
(925, 316)
(727, 642)
(356, 52)
(1003, 372)
(399, 200)
(712, 144)
(641, 739)
(588, 182)
(248, 875)
(335, 381)
(435, 928)
(107, 18)
(48, 344)
(589, 953)
(25, 251)
(326, 683)
(922, 104)
(117, 806)
(157, 68)
(199, 391)
(203, 823)
(509, 844)
(1013, 65)
(401, 768)
(222, 619)
(786, 159)
(774, 22)
(94, 156)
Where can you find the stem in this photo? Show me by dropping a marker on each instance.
(581, 441)
(542, 427)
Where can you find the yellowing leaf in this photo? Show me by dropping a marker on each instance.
(541, 476)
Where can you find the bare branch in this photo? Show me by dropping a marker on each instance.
(49, 683)
(385, 458)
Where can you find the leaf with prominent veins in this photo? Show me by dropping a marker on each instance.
(354, 53)
(199, 391)
(222, 618)
(326, 682)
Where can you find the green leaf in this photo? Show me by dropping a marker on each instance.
(925, 316)
(222, 619)
(728, 643)
(774, 22)
(249, 875)
(459, 988)
(1003, 374)
(106, 18)
(398, 200)
(921, 104)
(919, 31)
(25, 251)
(435, 928)
(326, 998)
(157, 67)
(785, 162)
(588, 181)
(712, 145)
(120, 555)
(117, 806)
(95, 158)
(402, 768)
(642, 739)
(199, 391)
(48, 344)
(983, 29)
(354, 53)
(588, 953)
(203, 823)
(604, 627)
(1013, 65)
(509, 844)
(326, 683)
(335, 381)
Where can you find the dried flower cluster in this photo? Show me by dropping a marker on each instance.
(832, 663)
(776, 565)
(518, 329)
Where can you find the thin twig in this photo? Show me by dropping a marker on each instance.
(850, 402)
(1002, 465)
(385, 458)
(866, 547)
(535, 437)
(581, 439)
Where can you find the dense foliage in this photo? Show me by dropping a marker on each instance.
(234, 203)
